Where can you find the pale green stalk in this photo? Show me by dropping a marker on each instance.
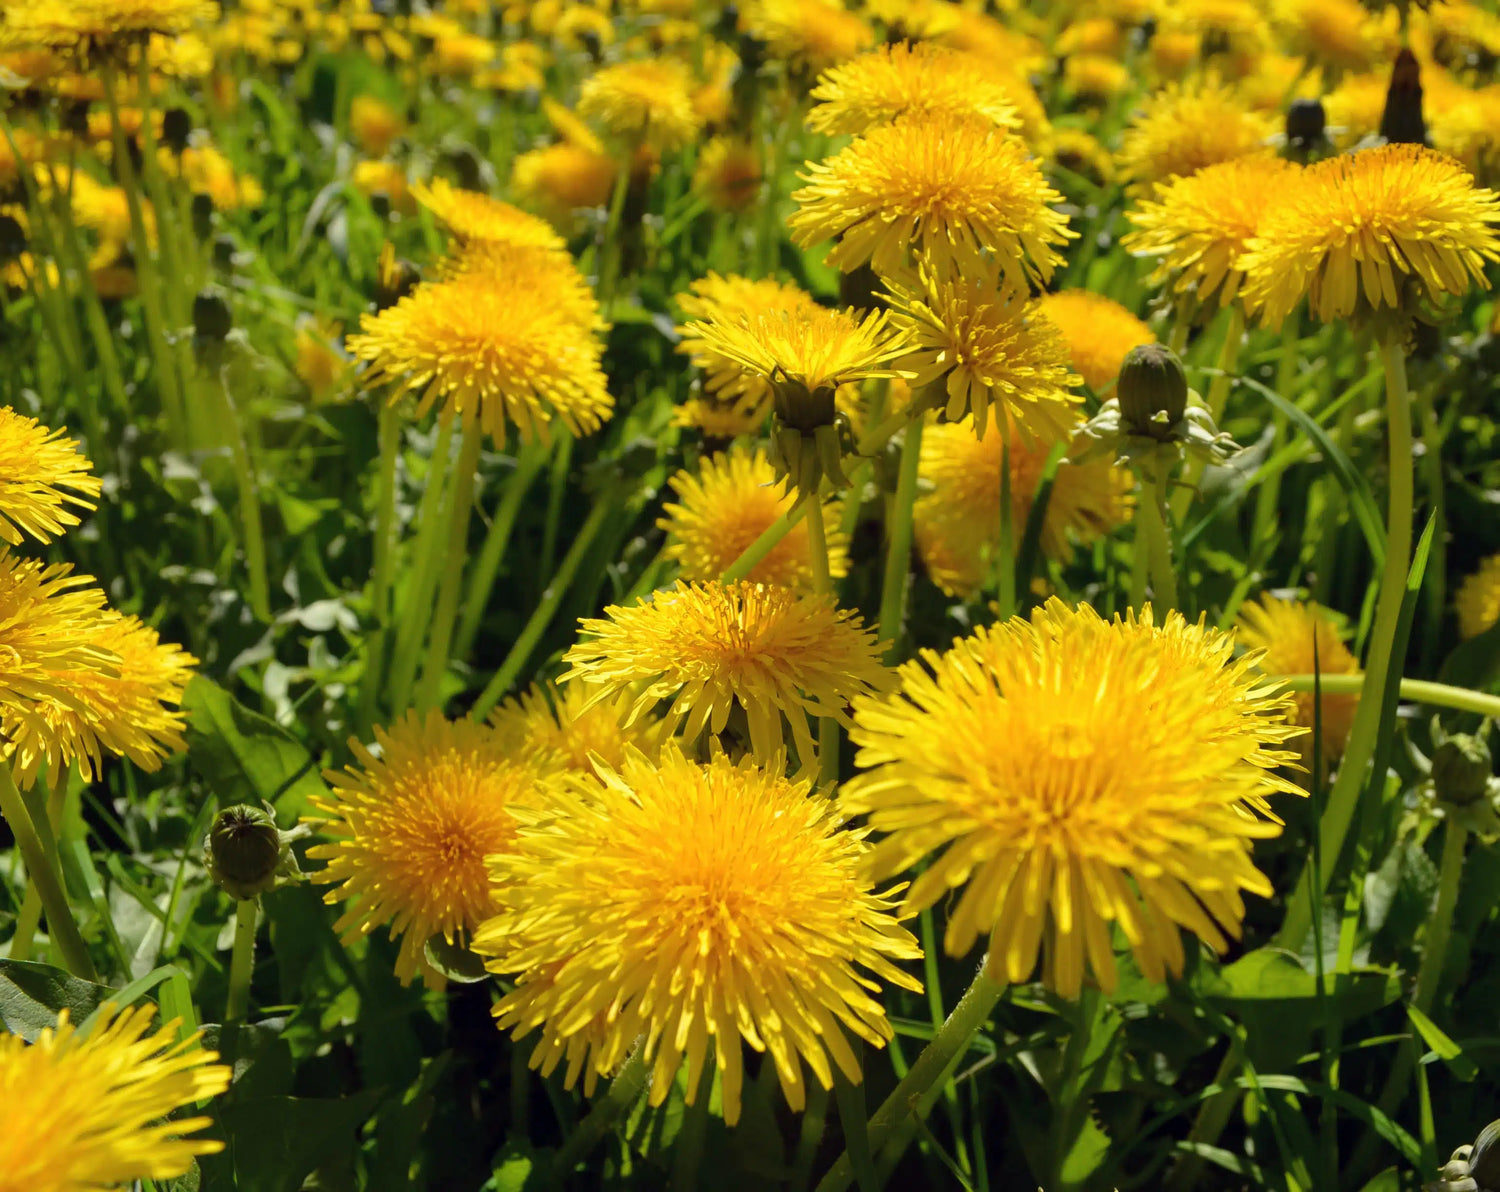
(769, 538)
(41, 868)
(1418, 691)
(456, 555)
(249, 500)
(242, 959)
(898, 549)
(1152, 536)
(624, 1091)
(385, 545)
(492, 553)
(817, 539)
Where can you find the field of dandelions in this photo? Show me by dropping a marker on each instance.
(789, 594)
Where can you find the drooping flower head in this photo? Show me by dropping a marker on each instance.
(711, 648)
(41, 473)
(957, 521)
(411, 829)
(561, 729)
(648, 102)
(951, 187)
(1294, 638)
(809, 35)
(469, 217)
(984, 341)
(1099, 333)
(1184, 127)
(1357, 231)
(723, 508)
(1478, 599)
(1070, 774)
(90, 1110)
(901, 79)
(1197, 225)
(695, 906)
(508, 337)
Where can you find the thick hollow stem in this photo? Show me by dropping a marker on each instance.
(1435, 947)
(1417, 691)
(769, 539)
(242, 960)
(455, 556)
(623, 1092)
(249, 499)
(1005, 555)
(1155, 539)
(44, 874)
(817, 538)
(380, 582)
(492, 553)
(898, 548)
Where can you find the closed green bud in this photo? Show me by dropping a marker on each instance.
(1152, 391)
(247, 855)
(1461, 770)
(801, 408)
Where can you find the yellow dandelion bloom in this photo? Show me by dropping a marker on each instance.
(957, 521)
(506, 343)
(645, 102)
(561, 729)
(712, 647)
(469, 216)
(893, 81)
(411, 829)
(1174, 54)
(204, 170)
(993, 40)
(727, 176)
(1468, 128)
(1197, 226)
(384, 178)
(1294, 638)
(811, 35)
(375, 125)
(695, 906)
(1238, 27)
(952, 188)
(129, 708)
(1095, 78)
(1353, 230)
(64, 23)
(722, 419)
(726, 506)
(984, 341)
(87, 1111)
(731, 300)
(1099, 333)
(41, 473)
(1340, 34)
(564, 178)
(1187, 126)
(1075, 773)
(1092, 35)
(319, 363)
(1478, 599)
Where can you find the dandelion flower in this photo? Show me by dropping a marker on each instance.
(1099, 333)
(473, 217)
(1294, 638)
(985, 341)
(1354, 229)
(811, 35)
(725, 507)
(1478, 599)
(695, 906)
(1095, 78)
(1076, 773)
(375, 125)
(712, 647)
(41, 472)
(319, 363)
(66, 23)
(1340, 34)
(894, 81)
(645, 102)
(1197, 226)
(82, 1111)
(951, 187)
(957, 522)
(1184, 127)
(727, 176)
(560, 730)
(716, 300)
(384, 178)
(500, 344)
(411, 829)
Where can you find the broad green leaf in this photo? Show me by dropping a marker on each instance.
(32, 995)
(272, 1144)
(1388, 1180)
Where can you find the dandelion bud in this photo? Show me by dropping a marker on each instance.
(1461, 768)
(176, 127)
(223, 253)
(243, 851)
(395, 278)
(1402, 120)
(212, 319)
(1306, 122)
(801, 408)
(74, 117)
(203, 217)
(1152, 391)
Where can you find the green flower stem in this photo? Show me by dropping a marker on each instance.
(849, 513)
(898, 549)
(42, 870)
(1344, 796)
(1417, 691)
(850, 1099)
(624, 1091)
(768, 240)
(30, 916)
(380, 583)
(1005, 557)
(1154, 539)
(249, 501)
(1268, 492)
(520, 651)
(242, 959)
(1212, 1117)
(1218, 394)
(764, 545)
(557, 487)
(817, 538)
(492, 553)
(1440, 926)
(1436, 577)
(809, 1137)
(455, 555)
(609, 252)
(688, 1159)
(883, 431)
(411, 623)
(971, 1013)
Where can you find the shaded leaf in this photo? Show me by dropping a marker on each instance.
(246, 757)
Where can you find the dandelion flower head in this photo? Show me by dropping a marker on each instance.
(469, 216)
(1187, 126)
(41, 473)
(1478, 599)
(563, 729)
(68, 23)
(1099, 333)
(809, 35)
(643, 102)
(563, 178)
(729, 301)
(728, 173)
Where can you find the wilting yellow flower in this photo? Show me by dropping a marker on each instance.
(731, 301)
(712, 647)
(957, 521)
(1352, 231)
(725, 507)
(469, 216)
(128, 707)
(899, 80)
(384, 178)
(1183, 128)
(507, 341)
(1099, 333)
(64, 23)
(694, 906)
(727, 176)
(1197, 226)
(1478, 599)
(375, 124)
(1076, 773)
(88, 1111)
(207, 171)
(560, 729)
(646, 102)
(41, 472)
(1095, 77)
(563, 178)
(984, 340)
(953, 188)
(1294, 638)
(411, 829)
(811, 35)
